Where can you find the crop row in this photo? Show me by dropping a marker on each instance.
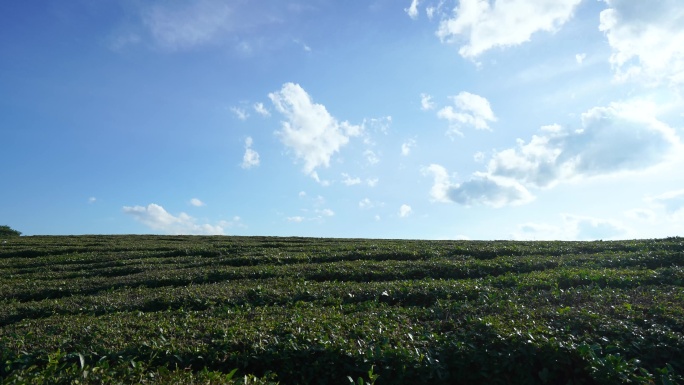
(145, 309)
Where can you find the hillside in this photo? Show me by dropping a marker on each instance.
(213, 310)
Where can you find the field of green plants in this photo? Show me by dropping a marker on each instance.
(263, 310)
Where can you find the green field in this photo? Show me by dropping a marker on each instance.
(214, 310)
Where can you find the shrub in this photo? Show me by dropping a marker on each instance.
(6, 231)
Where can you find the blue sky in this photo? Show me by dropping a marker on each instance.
(434, 119)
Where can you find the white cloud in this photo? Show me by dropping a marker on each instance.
(178, 26)
(325, 212)
(489, 190)
(372, 182)
(479, 156)
(240, 113)
(366, 204)
(406, 147)
(647, 39)
(308, 129)
(641, 215)
(579, 58)
(426, 102)
(440, 188)
(472, 110)
(381, 125)
(412, 10)
(671, 201)
(405, 211)
(156, 218)
(322, 182)
(480, 189)
(92, 200)
(261, 110)
(619, 138)
(349, 181)
(371, 157)
(196, 202)
(484, 24)
(319, 216)
(304, 46)
(572, 227)
(250, 158)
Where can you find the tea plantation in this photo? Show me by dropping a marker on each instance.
(262, 310)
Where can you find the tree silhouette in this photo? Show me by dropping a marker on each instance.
(6, 231)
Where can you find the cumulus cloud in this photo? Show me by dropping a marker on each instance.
(156, 218)
(617, 139)
(412, 10)
(647, 40)
(471, 110)
(488, 190)
(613, 139)
(308, 129)
(405, 211)
(480, 189)
(196, 202)
(250, 158)
(486, 24)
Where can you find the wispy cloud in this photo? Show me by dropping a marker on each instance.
(407, 146)
(671, 201)
(178, 26)
(261, 109)
(572, 227)
(156, 218)
(240, 113)
(196, 202)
